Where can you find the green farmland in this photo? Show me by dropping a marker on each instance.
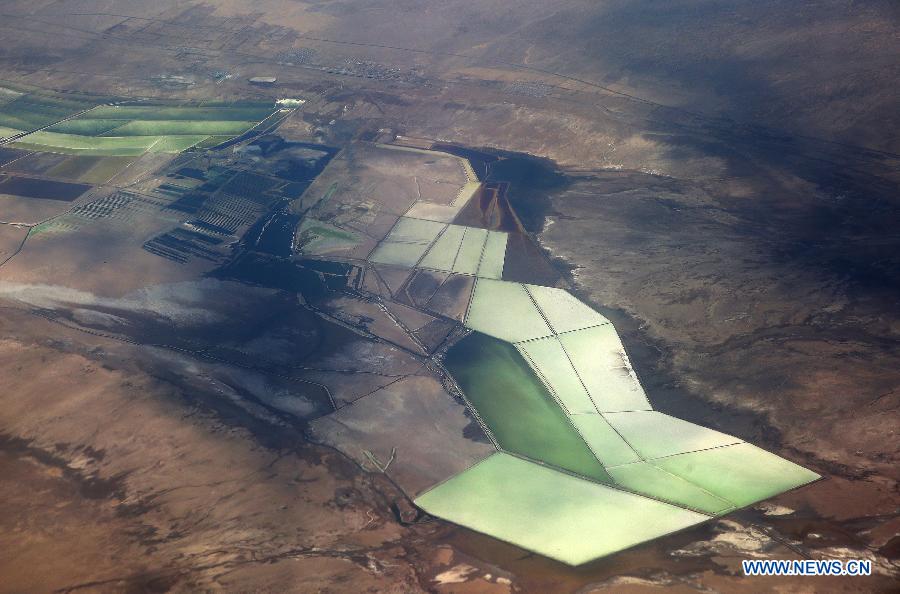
(101, 126)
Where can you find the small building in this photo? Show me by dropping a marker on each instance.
(263, 81)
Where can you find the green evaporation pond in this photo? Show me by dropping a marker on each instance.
(409, 230)
(647, 479)
(552, 364)
(600, 360)
(654, 434)
(609, 446)
(504, 310)
(563, 310)
(442, 254)
(520, 412)
(469, 255)
(398, 254)
(494, 255)
(741, 473)
(555, 514)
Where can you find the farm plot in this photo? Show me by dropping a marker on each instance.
(34, 109)
(79, 127)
